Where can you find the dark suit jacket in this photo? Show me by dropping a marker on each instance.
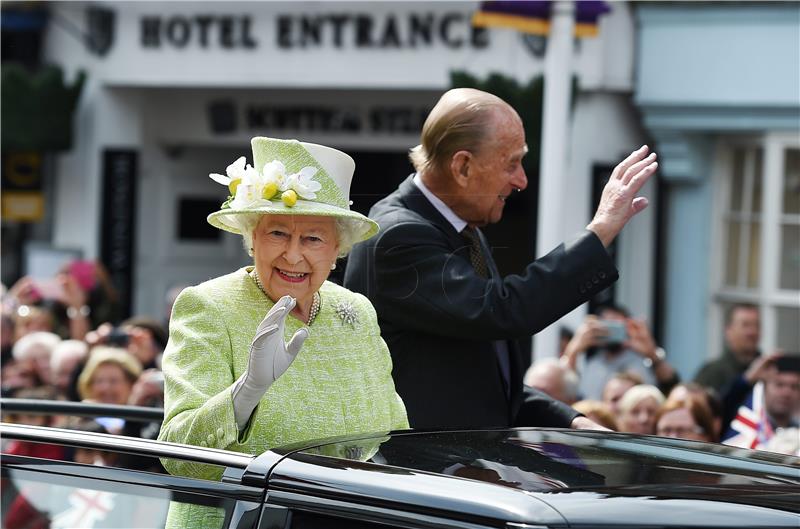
(439, 317)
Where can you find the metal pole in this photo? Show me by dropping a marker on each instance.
(555, 125)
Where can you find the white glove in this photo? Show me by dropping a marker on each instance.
(269, 358)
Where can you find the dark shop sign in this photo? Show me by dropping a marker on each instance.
(303, 31)
(226, 116)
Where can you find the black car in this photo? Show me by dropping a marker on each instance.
(516, 478)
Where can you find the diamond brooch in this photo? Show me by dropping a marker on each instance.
(347, 312)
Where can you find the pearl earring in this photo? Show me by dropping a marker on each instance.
(333, 265)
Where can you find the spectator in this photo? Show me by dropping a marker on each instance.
(67, 355)
(16, 375)
(598, 411)
(25, 448)
(638, 408)
(35, 350)
(146, 340)
(686, 390)
(555, 380)
(772, 406)
(742, 334)
(612, 342)
(616, 387)
(108, 378)
(687, 418)
(30, 318)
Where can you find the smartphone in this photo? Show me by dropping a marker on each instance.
(617, 332)
(49, 289)
(118, 337)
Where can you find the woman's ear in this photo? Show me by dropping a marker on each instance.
(460, 166)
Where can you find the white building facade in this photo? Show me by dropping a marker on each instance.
(184, 86)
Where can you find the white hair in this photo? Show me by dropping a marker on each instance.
(33, 344)
(67, 350)
(637, 394)
(347, 231)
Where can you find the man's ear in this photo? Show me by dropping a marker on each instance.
(460, 166)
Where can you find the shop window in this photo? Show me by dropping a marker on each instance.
(759, 234)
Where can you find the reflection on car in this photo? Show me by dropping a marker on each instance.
(514, 478)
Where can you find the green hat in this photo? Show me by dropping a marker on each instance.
(291, 177)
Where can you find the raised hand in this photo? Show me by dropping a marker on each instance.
(270, 357)
(619, 202)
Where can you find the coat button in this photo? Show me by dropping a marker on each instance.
(582, 289)
(588, 285)
(595, 280)
(602, 274)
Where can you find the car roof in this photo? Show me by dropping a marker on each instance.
(548, 476)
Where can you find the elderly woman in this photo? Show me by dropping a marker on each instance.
(109, 376)
(638, 408)
(273, 353)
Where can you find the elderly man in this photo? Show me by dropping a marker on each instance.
(550, 377)
(449, 318)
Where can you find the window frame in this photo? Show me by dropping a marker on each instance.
(767, 294)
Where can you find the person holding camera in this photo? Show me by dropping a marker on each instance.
(612, 342)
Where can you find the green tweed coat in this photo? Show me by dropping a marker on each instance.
(340, 383)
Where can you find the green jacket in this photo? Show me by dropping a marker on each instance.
(340, 383)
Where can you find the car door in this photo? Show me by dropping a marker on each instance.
(45, 493)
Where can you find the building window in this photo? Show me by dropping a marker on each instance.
(759, 236)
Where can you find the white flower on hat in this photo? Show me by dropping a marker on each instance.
(246, 195)
(249, 186)
(274, 172)
(304, 184)
(235, 171)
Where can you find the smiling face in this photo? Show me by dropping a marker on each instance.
(110, 384)
(495, 171)
(641, 418)
(293, 254)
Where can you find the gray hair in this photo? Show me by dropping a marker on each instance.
(347, 232)
(67, 350)
(461, 120)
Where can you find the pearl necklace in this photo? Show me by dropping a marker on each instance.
(315, 300)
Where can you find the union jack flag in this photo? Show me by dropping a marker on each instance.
(751, 427)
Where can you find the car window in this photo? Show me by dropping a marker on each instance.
(32, 499)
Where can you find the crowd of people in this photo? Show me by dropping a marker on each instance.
(66, 343)
(612, 370)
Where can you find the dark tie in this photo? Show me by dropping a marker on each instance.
(476, 256)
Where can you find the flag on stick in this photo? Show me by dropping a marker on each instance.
(534, 16)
